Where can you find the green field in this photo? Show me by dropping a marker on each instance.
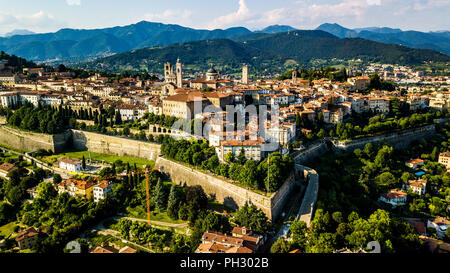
(139, 212)
(8, 229)
(140, 162)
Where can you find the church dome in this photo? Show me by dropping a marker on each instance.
(212, 71)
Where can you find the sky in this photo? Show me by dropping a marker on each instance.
(51, 15)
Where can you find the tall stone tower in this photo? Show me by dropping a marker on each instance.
(294, 76)
(244, 74)
(179, 69)
(167, 71)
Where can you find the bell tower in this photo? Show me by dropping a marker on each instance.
(244, 74)
(179, 72)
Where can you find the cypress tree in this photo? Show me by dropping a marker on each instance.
(159, 196)
(173, 203)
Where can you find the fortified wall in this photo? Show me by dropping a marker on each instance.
(399, 140)
(121, 146)
(224, 191)
(306, 211)
(30, 141)
(311, 152)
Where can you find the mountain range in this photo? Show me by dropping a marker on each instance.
(265, 52)
(439, 41)
(81, 44)
(75, 45)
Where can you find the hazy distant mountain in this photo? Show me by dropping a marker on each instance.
(276, 29)
(338, 30)
(81, 44)
(379, 29)
(18, 32)
(270, 51)
(439, 41)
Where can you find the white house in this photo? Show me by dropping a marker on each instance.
(440, 224)
(71, 165)
(101, 190)
(394, 197)
(415, 163)
(417, 186)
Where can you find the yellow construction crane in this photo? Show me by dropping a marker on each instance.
(147, 190)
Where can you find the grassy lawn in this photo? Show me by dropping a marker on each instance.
(8, 229)
(140, 162)
(140, 213)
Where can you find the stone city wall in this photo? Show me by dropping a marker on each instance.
(224, 191)
(30, 141)
(121, 146)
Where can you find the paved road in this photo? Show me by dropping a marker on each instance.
(64, 174)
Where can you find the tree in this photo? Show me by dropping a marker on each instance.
(241, 157)
(299, 230)
(46, 191)
(280, 246)
(83, 163)
(252, 217)
(229, 157)
(386, 179)
(159, 195)
(173, 203)
(196, 197)
(183, 212)
(57, 178)
(118, 118)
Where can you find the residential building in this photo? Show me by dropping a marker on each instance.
(76, 188)
(444, 159)
(252, 148)
(184, 106)
(359, 83)
(394, 197)
(214, 242)
(71, 165)
(417, 186)
(101, 190)
(6, 168)
(440, 224)
(415, 163)
(27, 238)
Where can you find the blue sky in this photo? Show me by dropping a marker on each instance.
(51, 15)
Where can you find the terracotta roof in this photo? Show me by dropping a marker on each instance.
(416, 161)
(104, 249)
(127, 249)
(191, 97)
(234, 142)
(394, 194)
(71, 161)
(7, 167)
(26, 233)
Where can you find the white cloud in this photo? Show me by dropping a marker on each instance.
(430, 4)
(37, 22)
(170, 16)
(374, 2)
(73, 2)
(232, 19)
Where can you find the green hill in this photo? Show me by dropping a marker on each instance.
(264, 51)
